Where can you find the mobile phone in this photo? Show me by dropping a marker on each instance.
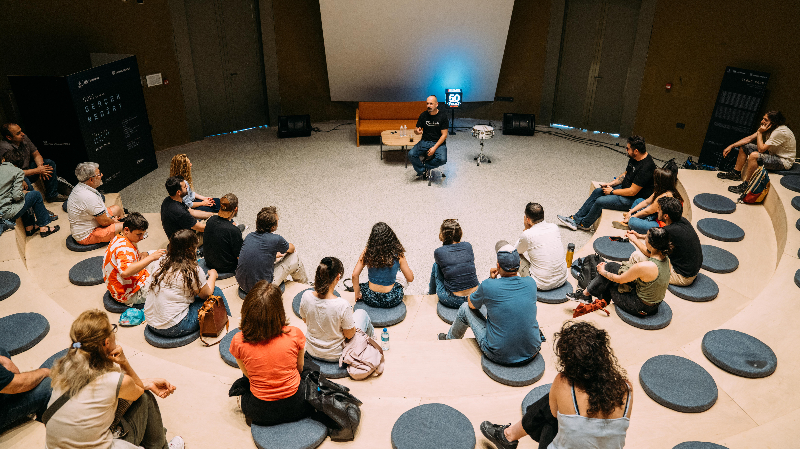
(619, 239)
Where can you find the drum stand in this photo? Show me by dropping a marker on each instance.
(482, 157)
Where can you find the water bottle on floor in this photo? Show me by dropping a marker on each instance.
(385, 339)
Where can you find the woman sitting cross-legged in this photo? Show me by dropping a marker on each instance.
(94, 376)
(644, 212)
(635, 287)
(178, 289)
(330, 319)
(453, 276)
(384, 258)
(182, 166)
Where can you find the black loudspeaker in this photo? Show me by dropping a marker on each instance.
(294, 125)
(519, 124)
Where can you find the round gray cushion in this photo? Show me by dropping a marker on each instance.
(331, 370)
(87, 272)
(534, 395)
(114, 306)
(703, 289)
(791, 182)
(698, 445)
(383, 317)
(225, 348)
(299, 296)
(678, 384)
(221, 276)
(722, 230)
(796, 202)
(243, 294)
(9, 284)
(797, 274)
(21, 331)
(433, 426)
(554, 296)
(739, 353)
(72, 245)
(52, 360)
(514, 376)
(797, 224)
(608, 249)
(303, 434)
(714, 203)
(164, 342)
(660, 320)
(794, 170)
(448, 315)
(718, 260)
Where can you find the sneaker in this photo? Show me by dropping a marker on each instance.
(578, 296)
(496, 435)
(57, 199)
(442, 336)
(568, 222)
(541, 336)
(582, 227)
(620, 225)
(176, 443)
(732, 175)
(740, 189)
(583, 309)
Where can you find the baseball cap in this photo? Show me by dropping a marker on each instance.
(508, 258)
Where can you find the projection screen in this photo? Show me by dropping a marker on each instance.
(405, 50)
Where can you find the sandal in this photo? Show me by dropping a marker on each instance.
(50, 230)
(32, 231)
(53, 217)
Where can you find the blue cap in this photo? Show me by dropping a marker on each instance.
(508, 258)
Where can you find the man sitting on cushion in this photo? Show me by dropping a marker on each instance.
(90, 221)
(222, 239)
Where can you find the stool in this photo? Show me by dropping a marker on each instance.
(114, 306)
(739, 353)
(331, 370)
(555, 296)
(703, 289)
(609, 249)
(87, 272)
(225, 348)
(433, 426)
(514, 376)
(660, 320)
(299, 296)
(534, 395)
(791, 182)
(383, 317)
(722, 230)
(22, 331)
(221, 276)
(718, 260)
(678, 384)
(52, 359)
(9, 284)
(72, 245)
(447, 314)
(166, 342)
(712, 202)
(303, 434)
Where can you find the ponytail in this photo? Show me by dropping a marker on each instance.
(451, 231)
(327, 270)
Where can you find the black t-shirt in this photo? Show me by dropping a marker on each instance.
(222, 242)
(687, 257)
(641, 174)
(432, 125)
(6, 377)
(175, 216)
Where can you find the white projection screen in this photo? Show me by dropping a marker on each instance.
(405, 50)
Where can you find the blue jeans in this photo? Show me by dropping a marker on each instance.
(436, 285)
(190, 323)
(33, 210)
(16, 407)
(469, 318)
(50, 185)
(597, 201)
(421, 150)
(641, 225)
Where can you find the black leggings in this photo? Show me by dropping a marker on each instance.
(607, 289)
(539, 422)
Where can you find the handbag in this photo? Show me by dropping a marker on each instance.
(213, 317)
(334, 401)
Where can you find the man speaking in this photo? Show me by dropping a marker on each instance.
(430, 152)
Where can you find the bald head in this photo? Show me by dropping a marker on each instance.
(433, 104)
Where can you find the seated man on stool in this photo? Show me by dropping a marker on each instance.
(21, 394)
(509, 335)
(90, 221)
(431, 151)
(33, 165)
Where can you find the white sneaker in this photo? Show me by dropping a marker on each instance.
(176, 443)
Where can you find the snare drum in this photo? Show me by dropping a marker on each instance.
(482, 132)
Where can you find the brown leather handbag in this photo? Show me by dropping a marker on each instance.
(213, 317)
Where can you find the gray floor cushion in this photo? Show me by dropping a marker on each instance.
(114, 306)
(433, 426)
(331, 370)
(678, 384)
(794, 170)
(72, 245)
(703, 289)
(739, 353)
(299, 296)
(797, 224)
(87, 272)
(791, 182)
(554, 296)
(796, 202)
(383, 317)
(225, 348)
(797, 273)
(303, 434)
(712, 202)
(718, 260)
(534, 395)
(22, 331)
(164, 342)
(722, 230)
(9, 284)
(608, 249)
(660, 320)
(50, 361)
(243, 294)
(448, 315)
(698, 445)
(514, 376)
(202, 263)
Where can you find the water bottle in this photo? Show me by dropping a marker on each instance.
(405, 130)
(385, 339)
(570, 253)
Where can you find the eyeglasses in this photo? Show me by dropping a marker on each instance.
(144, 236)
(113, 328)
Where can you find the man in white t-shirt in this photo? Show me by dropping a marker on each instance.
(90, 221)
(773, 143)
(542, 255)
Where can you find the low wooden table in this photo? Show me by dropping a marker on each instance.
(392, 137)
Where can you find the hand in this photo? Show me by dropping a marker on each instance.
(493, 273)
(212, 274)
(358, 296)
(607, 189)
(279, 256)
(24, 186)
(763, 128)
(431, 152)
(44, 171)
(604, 184)
(601, 268)
(118, 356)
(726, 151)
(631, 235)
(159, 387)
(155, 255)
(209, 202)
(418, 131)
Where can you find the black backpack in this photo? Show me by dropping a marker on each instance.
(585, 269)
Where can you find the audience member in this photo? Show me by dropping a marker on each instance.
(453, 275)
(21, 394)
(266, 256)
(431, 151)
(175, 215)
(90, 221)
(635, 287)
(124, 266)
(635, 182)
(16, 201)
(95, 377)
(541, 252)
(178, 289)
(182, 166)
(589, 403)
(687, 254)
(33, 165)
(509, 334)
(385, 259)
(644, 212)
(222, 239)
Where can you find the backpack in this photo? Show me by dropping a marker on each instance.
(363, 356)
(671, 165)
(342, 409)
(757, 187)
(585, 269)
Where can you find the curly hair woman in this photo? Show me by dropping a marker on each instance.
(644, 212)
(589, 403)
(182, 166)
(384, 258)
(453, 276)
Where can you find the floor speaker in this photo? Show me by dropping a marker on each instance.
(519, 124)
(294, 125)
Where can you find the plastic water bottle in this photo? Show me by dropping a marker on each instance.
(385, 339)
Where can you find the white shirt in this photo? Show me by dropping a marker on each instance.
(783, 144)
(541, 245)
(168, 303)
(325, 319)
(83, 205)
(85, 419)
